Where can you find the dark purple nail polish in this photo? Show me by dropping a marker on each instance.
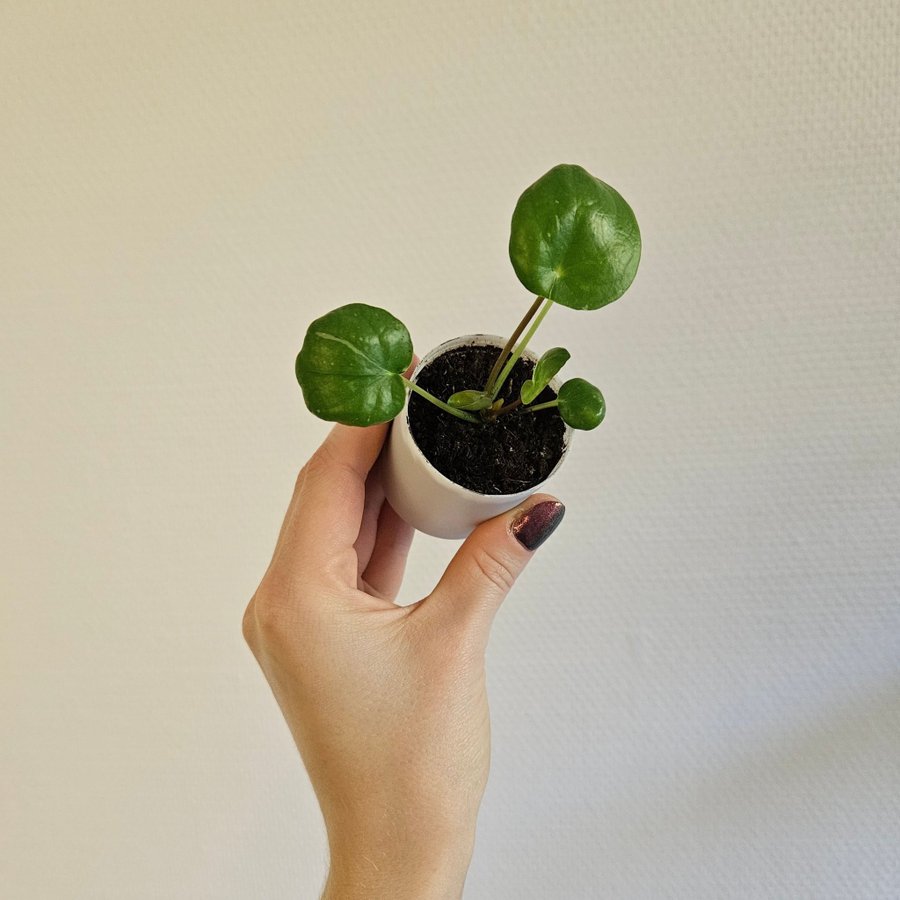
(532, 527)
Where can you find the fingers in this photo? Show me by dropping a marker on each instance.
(384, 538)
(368, 530)
(324, 519)
(384, 573)
(490, 560)
(335, 505)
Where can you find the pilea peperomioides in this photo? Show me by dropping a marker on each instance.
(574, 241)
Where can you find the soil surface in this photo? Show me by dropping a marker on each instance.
(510, 454)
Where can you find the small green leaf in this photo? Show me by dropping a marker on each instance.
(581, 405)
(471, 400)
(574, 239)
(351, 364)
(544, 371)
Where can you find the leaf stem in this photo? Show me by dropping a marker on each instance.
(504, 353)
(509, 407)
(522, 345)
(547, 405)
(460, 414)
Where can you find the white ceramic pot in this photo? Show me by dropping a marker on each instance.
(426, 498)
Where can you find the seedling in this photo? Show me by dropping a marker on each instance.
(574, 242)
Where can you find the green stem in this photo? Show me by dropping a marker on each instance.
(546, 405)
(459, 413)
(522, 345)
(504, 353)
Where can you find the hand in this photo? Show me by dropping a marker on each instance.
(387, 704)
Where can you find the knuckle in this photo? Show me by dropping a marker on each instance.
(266, 620)
(315, 465)
(320, 465)
(248, 623)
(328, 467)
(270, 620)
(494, 568)
(322, 461)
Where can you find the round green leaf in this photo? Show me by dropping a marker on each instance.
(351, 364)
(581, 405)
(574, 239)
(547, 366)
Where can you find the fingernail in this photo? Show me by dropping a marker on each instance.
(533, 526)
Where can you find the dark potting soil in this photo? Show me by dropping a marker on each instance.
(510, 454)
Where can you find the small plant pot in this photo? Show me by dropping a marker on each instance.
(426, 498)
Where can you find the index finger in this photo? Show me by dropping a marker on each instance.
(324, 517)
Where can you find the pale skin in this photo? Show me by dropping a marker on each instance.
(386, 703)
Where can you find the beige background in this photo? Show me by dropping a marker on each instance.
(696, 688)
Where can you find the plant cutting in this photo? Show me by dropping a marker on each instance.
(487, 420)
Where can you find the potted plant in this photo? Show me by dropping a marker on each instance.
(487, 421)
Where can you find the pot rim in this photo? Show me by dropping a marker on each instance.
(480, 340)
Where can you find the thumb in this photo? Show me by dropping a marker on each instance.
(487, 564)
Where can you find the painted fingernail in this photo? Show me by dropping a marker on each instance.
(533, 526)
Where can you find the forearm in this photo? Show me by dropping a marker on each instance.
(360, 872)
(369, 884)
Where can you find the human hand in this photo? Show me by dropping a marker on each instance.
(387, 704)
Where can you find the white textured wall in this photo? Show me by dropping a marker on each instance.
(696, 688)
